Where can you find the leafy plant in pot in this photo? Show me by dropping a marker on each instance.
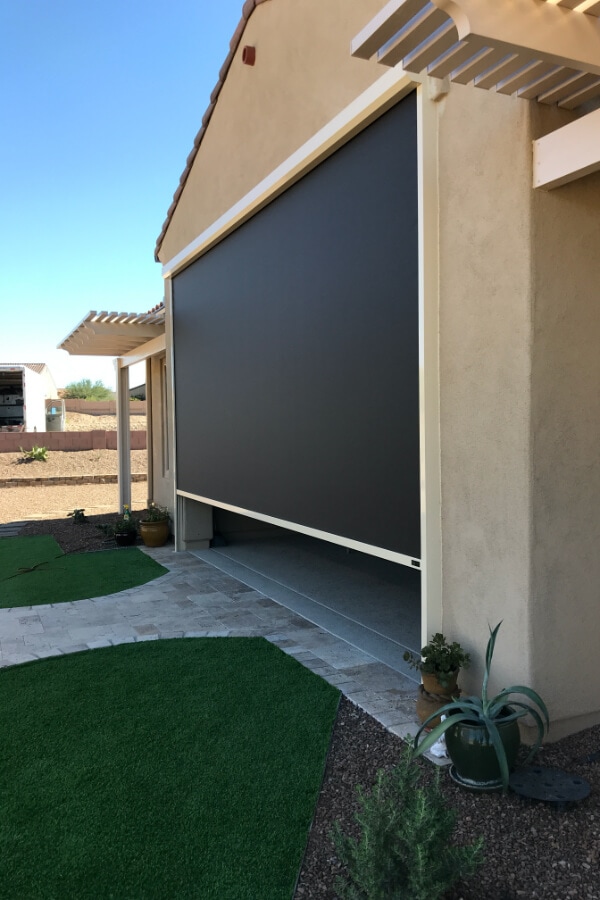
(124, 530)
(482, 733)
(154, 527)
(439, 664)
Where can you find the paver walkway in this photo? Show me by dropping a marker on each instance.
(196, 600)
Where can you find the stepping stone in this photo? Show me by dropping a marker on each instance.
(11, 529)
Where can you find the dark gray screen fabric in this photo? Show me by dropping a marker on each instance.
(296, 350)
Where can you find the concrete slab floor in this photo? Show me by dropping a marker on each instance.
(185, 603)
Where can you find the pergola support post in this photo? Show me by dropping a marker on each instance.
(123, 435)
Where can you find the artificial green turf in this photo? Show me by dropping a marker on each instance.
(58, 577)
(181, 768)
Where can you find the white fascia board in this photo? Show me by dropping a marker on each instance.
(568, 153)
(545, 31)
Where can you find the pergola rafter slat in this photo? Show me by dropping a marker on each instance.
(413, 35)
(453, 59)
(583, 95)
(528, 40)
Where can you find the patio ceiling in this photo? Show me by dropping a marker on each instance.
(540, 50)
(113, 334)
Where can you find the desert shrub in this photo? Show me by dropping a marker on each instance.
(405, 848)
(78, 516)
(85, 390)
(36, 453)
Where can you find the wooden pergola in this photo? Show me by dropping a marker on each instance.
(130, 338)
(542, 50)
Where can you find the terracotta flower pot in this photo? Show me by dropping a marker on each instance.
(433, 686)
(432, 696)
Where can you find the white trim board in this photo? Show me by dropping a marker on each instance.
(429, 379)
(371, 549)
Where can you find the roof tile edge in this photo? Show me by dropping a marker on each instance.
(247, 10)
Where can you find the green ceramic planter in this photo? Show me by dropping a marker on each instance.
(474, 757)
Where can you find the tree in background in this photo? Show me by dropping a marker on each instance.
(85, 390)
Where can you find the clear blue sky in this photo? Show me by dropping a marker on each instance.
(99, 104)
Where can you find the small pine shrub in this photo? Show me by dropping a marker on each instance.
(405, 849)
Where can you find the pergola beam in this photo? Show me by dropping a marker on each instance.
(141, 330)
(568, 153)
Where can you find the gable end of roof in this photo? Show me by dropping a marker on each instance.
(247, 10)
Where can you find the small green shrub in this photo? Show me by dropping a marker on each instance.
(78, 516)
(36, 453)
(405, 848)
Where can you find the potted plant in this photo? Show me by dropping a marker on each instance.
(439, 663)
(482, 733)
(124, 529)
(154, 526)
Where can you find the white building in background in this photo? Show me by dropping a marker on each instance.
(24, 390)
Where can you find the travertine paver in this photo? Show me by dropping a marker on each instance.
(196, 600)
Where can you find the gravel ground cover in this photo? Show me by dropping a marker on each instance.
(62, 462)
(85, 422)
(75, 537)
(532, 850)
(20, 504)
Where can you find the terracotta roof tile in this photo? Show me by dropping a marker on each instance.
(247, 10)
(35, 367)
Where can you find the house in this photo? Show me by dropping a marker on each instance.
(382, 320)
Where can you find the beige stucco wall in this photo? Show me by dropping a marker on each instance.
(303, 76)
(565, 432)
(485, 406)
(520, 405)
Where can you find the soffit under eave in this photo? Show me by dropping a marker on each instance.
(113, 334)
(535, 49)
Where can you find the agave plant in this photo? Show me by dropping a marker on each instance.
(489, 713)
